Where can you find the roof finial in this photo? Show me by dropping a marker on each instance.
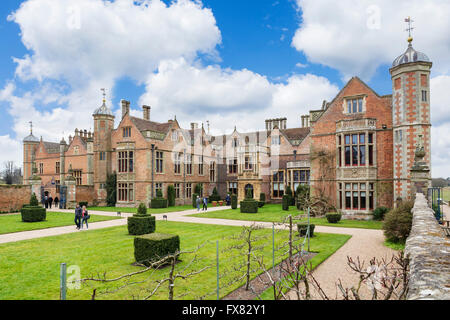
(31, 127)
(409, 21)
(104, 94)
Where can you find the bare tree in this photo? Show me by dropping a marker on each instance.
(11, 174)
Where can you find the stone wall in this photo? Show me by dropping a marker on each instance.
(429, 252)
(13, 197)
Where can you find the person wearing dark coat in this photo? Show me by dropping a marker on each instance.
(205, 204)
(228, 199)
(56, 202)
(50, 201)
(46, 202)
(78, 214)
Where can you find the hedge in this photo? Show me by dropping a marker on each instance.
(262, 197)
(303, 228)
(33, 200)
(261, 204)
(397, 222)
(233, 201)
(285, 202)
(333, 217)
(153, 247)
(249, 206)
(141, 224)
(158, 203)
(33, 213)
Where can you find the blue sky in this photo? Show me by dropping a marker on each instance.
(211, 61)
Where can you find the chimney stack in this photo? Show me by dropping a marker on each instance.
(194, 125)
(125, 107)
(146, 112)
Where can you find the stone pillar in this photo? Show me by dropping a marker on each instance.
(71, 192)
(420, 173)
(90, 162)
(35, 183)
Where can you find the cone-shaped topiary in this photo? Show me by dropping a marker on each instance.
(233, 201)
(171, 195)
(33, 200)
(285, 202)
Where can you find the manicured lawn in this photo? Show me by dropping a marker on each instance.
(394, 245)
(149, 210)
(14, 223)
(274, 213)
(30, 269)
(446, 192)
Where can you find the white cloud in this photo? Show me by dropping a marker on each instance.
(228, 97)
(357, 36)
(79, 40)
(14, 152)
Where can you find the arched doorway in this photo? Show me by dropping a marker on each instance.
(248, 187)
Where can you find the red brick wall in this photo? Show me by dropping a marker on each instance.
(85, 193)
(13, 197)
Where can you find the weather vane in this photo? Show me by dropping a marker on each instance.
(409, 21)
(31, 127)
(104, 94)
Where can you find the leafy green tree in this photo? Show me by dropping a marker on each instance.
(171, 195)
(111, 189)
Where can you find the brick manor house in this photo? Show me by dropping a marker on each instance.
(361, 149)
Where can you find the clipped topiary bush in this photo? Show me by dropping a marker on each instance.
(398, 221)
(141, 224)
(333, 217)
(303, 228)
(285, 202)
(33, 213)
(288, 192)
(194, 200)
(142, 210)
(261, 204)
(171, 196)
(159, 201)
(214, 196)
(153, 247)
(33, 200)
(249, 205)
(262, 200)
(234, 201)
(379, 213)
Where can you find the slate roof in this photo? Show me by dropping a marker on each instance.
(146, 125)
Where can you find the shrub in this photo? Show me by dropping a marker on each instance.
(33, 200)
(285, 202)
(194, 200)
(214, 196)
(290, 195)
(111, 187)
(153, 247)
(198, 189)
(303, 228)
(249, 206)
(142, 210)
(83, 203)
(398, 221)
(233, 201)
(379, 213)
(333, 217)
(171, 196)
(262, 197)
(159, 201)
(141, 224)
(261, 204)
(302, 194)
(33, 213)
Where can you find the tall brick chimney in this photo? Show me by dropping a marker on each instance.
(146, 112)
(125, 107)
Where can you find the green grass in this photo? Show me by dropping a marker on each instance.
(149, 210)
(14, 223)
(274, 213)
(30, 269)
(394, 245)
(446, 192)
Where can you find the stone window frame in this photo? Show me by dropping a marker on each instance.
(348, 189)
(275, 140)
(356, 98)
(159, 162)
(248, 162)
(125, 192)
(189, 168)
(177, 163)
(41, 168)
(232, 187)
(275, 177)
(368, 144)
(232, 166)
(212, 171)
(125, 161)
(188, 190)
(201, 171)
(126, 132)
(102, 155)
(177, 188)
(424, 97)
(295, 183)
(159, 186)
(58, 167)
(78, 175)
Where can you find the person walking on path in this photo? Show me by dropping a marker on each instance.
(78, 213)
(228, 199)
(50, 201)
(46, 202)
(197, 202)
(84, 217)
(56, 202)
(205, 204)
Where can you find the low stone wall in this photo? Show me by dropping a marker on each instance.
(13, 197)
(429, 252)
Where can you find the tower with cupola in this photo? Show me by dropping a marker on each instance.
(102, 150)
(410, 74)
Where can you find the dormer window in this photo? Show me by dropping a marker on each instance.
(355, 105)
(126, 132)
(174, 136)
